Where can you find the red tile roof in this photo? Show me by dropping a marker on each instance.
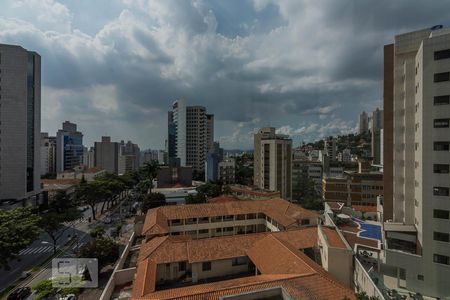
(282, 211)
(333, 238)
(275, 254)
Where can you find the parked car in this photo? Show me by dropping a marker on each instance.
(69, 297)
(20, 293)
(25, 274)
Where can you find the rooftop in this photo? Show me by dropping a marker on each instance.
(282, 211)
(275, 255)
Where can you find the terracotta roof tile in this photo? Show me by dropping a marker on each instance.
(282, 211)
(271, 256)
(333, 238)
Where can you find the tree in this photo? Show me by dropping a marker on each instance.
(97, 232)
(199, 198)
(44, 289)
(104, 249)
(364, 296)
(210, 189)
(18, 229)
(91, 194)
(150, 171)
(152, 200)
(309, 197)
(52, 223)
(226, 190)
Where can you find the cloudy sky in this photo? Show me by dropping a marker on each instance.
(306, 67)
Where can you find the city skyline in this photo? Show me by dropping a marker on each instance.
(116, 70)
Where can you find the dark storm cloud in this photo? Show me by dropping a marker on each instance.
(308, 67)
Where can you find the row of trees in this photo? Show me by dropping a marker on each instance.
(21, 226)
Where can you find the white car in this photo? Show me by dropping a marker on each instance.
(69, 297)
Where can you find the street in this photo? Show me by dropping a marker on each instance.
(42, 249)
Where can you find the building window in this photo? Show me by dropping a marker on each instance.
(420, 277)
(239, 261)
(441, 236)
(440, 168)
(441, 259)
(441, 123)
(441, 146)
(182, 266)
(442, 54)
(439, 77)
(305, 222)
(203, 231)
(440, 191)
(442, 100)
(441, 214)
(206, 266)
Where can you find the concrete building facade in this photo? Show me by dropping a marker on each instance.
(48, 154)
(377, 126)
(418, 242)
(273, 162)
(226, 170)
(190, 134)
(20, 122)
(363, 123)
(107, 155)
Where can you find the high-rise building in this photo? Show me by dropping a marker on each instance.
(129, 157)
(417, 94)
(107, 155)
(330, 148)
(69, 147)
(190, 134)
(20, 122)
(363, 123)
(226, 170)
(377, 125)
(272, 157)
(89, 157)
(48, 154)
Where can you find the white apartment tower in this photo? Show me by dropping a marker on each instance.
(190, 135)
(20, 122)
(272, 157)
(418, 237)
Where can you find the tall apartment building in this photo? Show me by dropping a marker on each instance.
(89, 157)
(272, 165)
(377, 126)
(226, 170)
(363, 123)
(190, 134)
(330, 148)
(48, 154)
(107, 155)
(20, 122)
(69, 147)
(417, 98)
(129, 157)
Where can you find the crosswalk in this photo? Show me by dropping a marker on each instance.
(36, 250)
